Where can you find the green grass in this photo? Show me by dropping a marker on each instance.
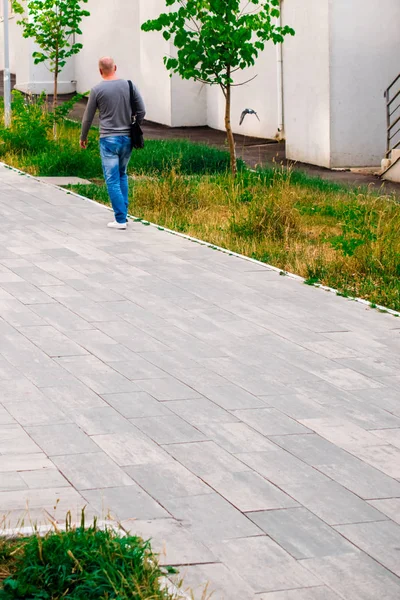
(38, 154)
(79, 564)
(348, 239)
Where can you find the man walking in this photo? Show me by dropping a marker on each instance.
(112, 98)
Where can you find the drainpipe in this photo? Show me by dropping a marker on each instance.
(7, 76)
(279, 61)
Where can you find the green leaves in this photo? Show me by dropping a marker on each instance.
(212, 35)
(52, 24)
(216, 38)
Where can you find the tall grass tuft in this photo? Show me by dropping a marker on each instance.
(78, 563)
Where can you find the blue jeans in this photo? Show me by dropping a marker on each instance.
(115, 153)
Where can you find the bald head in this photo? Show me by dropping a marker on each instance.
(107, 66)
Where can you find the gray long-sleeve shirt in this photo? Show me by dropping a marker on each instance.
(112, 99)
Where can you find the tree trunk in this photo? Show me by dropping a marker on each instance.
(228, 127)
(55, 96)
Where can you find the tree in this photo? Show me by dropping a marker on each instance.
(52, 24)
(217, 38)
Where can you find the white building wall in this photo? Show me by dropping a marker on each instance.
(14, 33)
(306, 81)
(261, 95)
(32, 78)
(364, 60)
(188, 103)
(343, 56)
(111, 30)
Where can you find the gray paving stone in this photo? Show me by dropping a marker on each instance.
(98, 376)
(135, 405)
(47, 374)
(74, 398)
(379, 540)
(101, 420)
(347, 379)
(248, 491)
(43, 479)
(389, 436)
(270, 421)
(19, 315)
(65, 497)
(355, 577)
(37, 412)
(24, 462)
(167, 388)
(200, 411)
(331, 349)
(371, 367)
(301, 533)
(211, 518)
(351, 472)
(246, 377)
(132, 448)
(14, 440)
(232, 397)
(168, 480)
(137, 368)
(172, 362)
(333, 503)
(387, 399)
(200, 378)
(342, 433)
(215, 579)
(311, 593)
(7, 371)
(62, 439)
(132, 337)
(264, 565)
(203, 458)
(234, 437)
(389, 507)
(91, 471)
(26, 293)
(129, 502)
(281, 468)
(11, 482)
(168, 430)
(52, 341)
(385, 458)
(101, 346)
(296, 406)
(6, 418)
(174, 544)
(60, 317)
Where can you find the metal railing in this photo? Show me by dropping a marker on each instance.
(392, 96)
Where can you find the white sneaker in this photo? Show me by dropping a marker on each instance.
(115, 225)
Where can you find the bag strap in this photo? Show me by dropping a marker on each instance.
(133, 115)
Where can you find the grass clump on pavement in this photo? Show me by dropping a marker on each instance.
(80, 563)
(348, 239)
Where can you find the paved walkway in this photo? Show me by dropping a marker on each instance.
(248, 423)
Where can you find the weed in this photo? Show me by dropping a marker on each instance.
(81, 562)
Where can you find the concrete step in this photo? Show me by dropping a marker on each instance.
(392, 172)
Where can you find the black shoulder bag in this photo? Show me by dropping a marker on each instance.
(137, 140)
